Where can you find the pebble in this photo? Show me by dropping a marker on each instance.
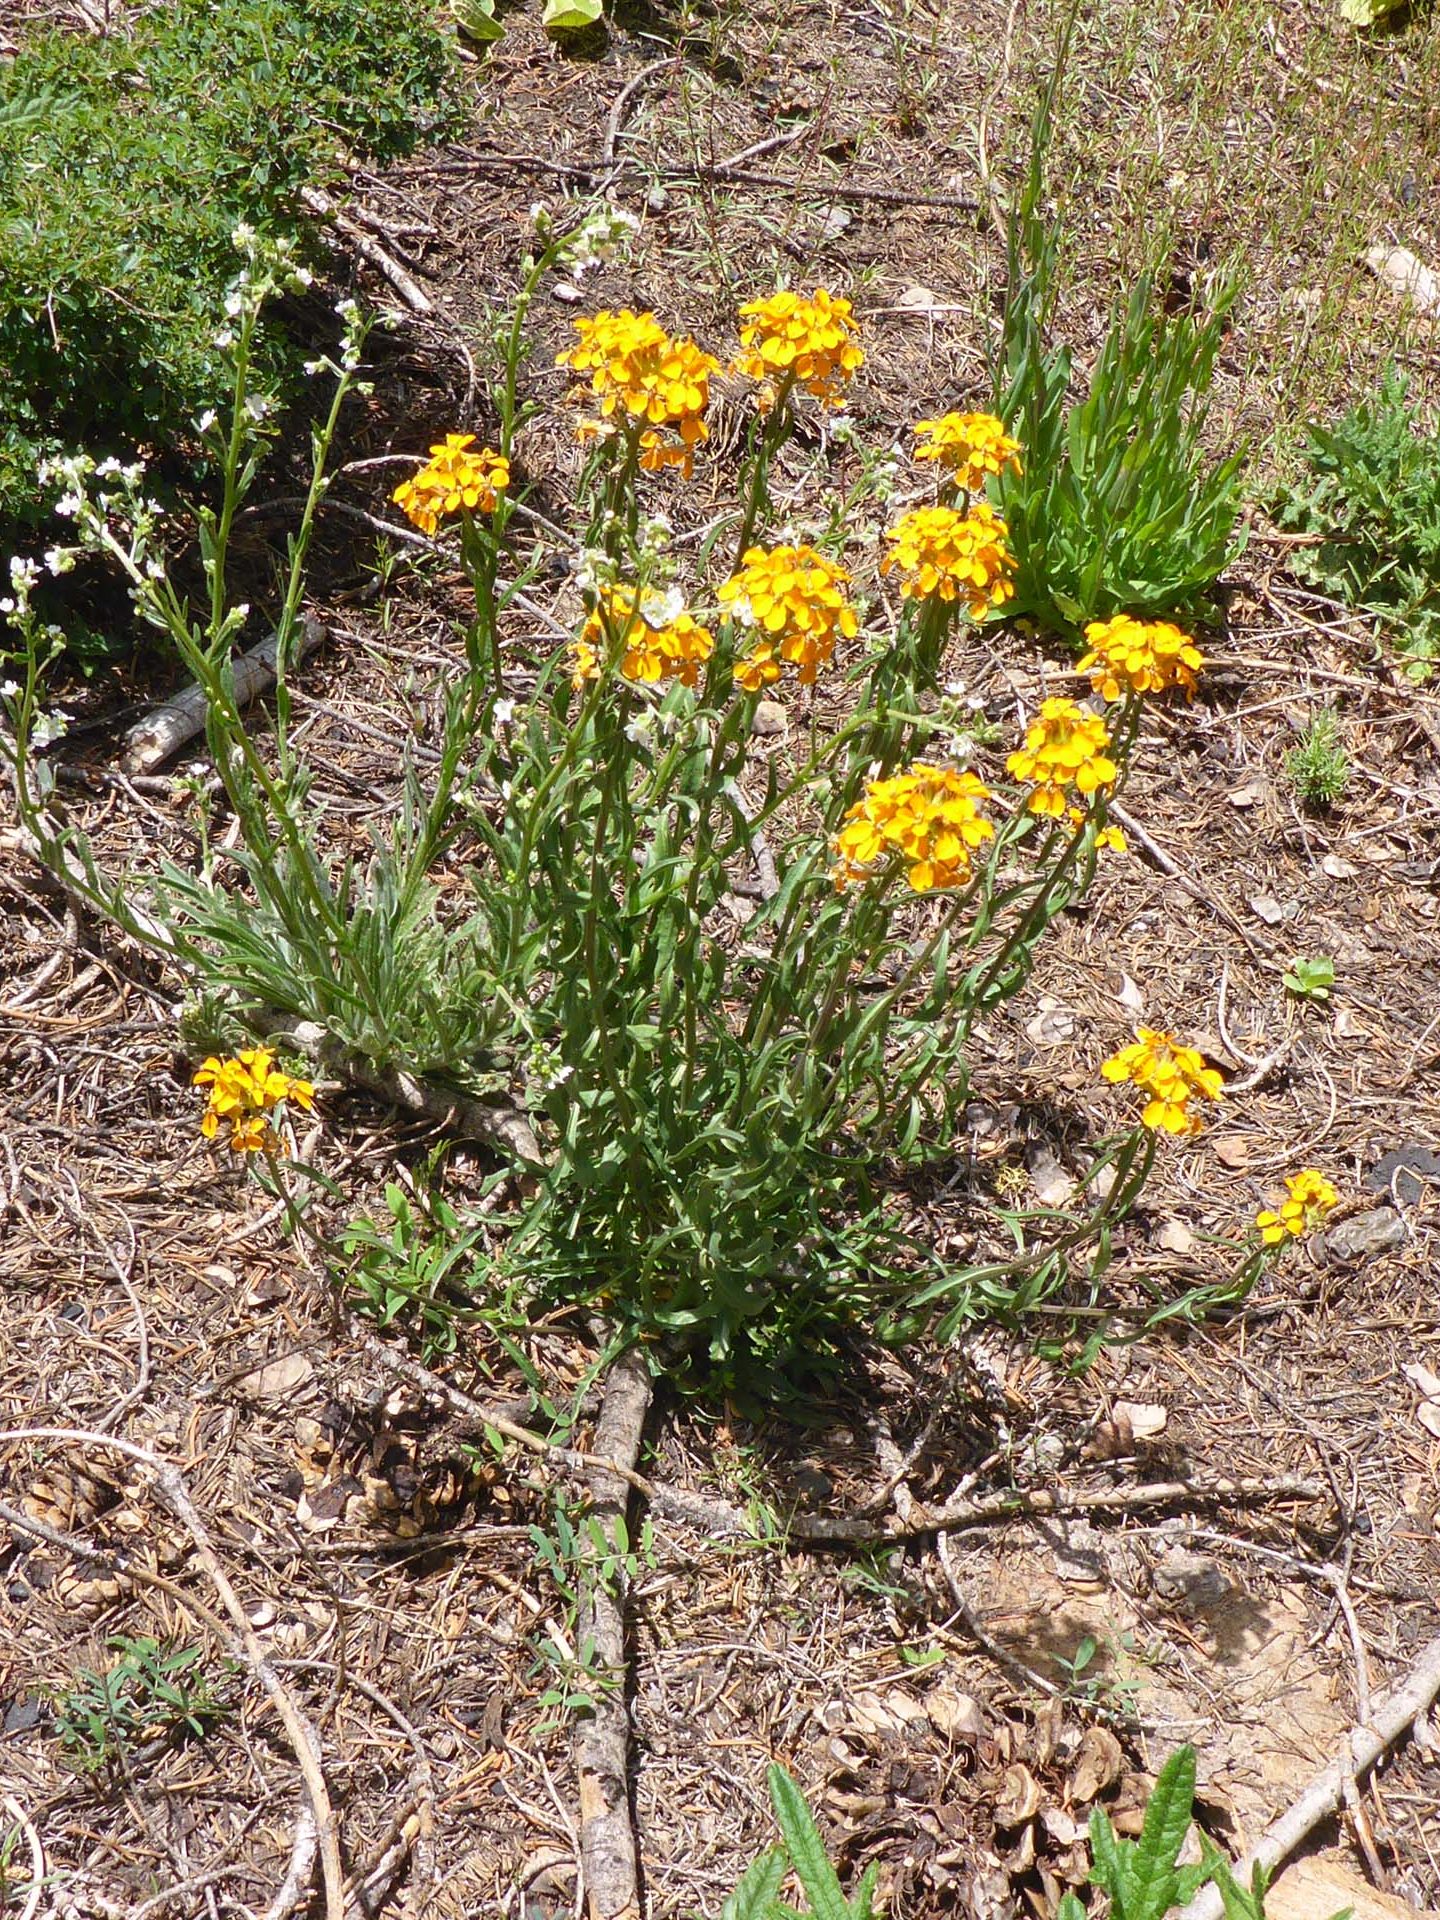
(1366, 1235)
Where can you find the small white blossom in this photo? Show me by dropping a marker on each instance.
(600, 238)
(662, 609)
(9, 689)
(206, 421)
(503, 712)
(47, 728)
(225, 338)
(60, 559)
(540, 217)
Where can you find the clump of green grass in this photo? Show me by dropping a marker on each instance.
(1319, 767)
(152, 1690)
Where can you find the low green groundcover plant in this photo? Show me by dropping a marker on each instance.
(127, 159)
(1371, 494)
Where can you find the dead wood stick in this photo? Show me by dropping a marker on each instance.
(1390, 1717)
(23, 1824)
(602, 1731)
(303, 1737)
(151, 741)
(324, 208)
(1198, 892)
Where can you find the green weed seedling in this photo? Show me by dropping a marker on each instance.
(152, 1691)
(1319, 768)
(1311, 979)
(1372, 491)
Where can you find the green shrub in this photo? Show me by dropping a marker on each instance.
(1319, 768)
(1118, 507)
(1373, 492)
(126, 161)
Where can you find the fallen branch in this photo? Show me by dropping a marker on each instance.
(602, 1731)
(1392, 1716)
(243, 1644)
(152, 741)
(324, 208)
(23, 1824)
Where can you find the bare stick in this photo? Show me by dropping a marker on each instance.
(37, 1856)
(624, 97)
(1392, 1716)
(303, 1737)
(324, 208)
(151, 741)
(602, 1733)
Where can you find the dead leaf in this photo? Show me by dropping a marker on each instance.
(1338, 868)
(1129, 995)
(1019, 1799)
(918, 299)
(1052, 1184)
(1175, 1237)
(1345, 1026)
(1233, 1150)
(956, 1715)
(1144, 1419)
(1243, 797)
(1052, 1025)
(1428, 1384)
(1097, 1765)
(277, 1377)
(1273, 911)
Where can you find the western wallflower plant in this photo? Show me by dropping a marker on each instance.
(453, 480)
(245, 1094)
(940, 554)
(652, 388)
(1169, 1074)
(929, 815)
(968, 448)
(791, 603)
(794, 338)
(1309, 1197)
(656, 639)
(709, 1126)
(1126, 657)
(1066, 746)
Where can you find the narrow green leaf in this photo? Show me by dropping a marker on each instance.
(807, 1849)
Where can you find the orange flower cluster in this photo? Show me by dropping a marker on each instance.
(635, 369)
(1065, 746)
(1170, 1074)
(1139, 656)
(968, 447)
(789, 336)
(1310, 1197)
(945, 555)
(453, 480)
(793, 599)
(244, 1092)
(929, 815)
(659, 643)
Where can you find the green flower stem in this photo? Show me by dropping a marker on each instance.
(774, 429)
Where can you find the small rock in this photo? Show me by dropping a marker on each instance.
(1407, 1168)
(566, 292)
(770, 720)
(1366, 1235)
(1191, 1580)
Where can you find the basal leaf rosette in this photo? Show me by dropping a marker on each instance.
(453, 480)
(1169, 1074)
(1128, 657)
(1067, 747)
(930, 815)
(793, 601)
(956, 558)
(806, 339)
(658, 639)
(1309, 1197)
(644, 380)
(967, 448)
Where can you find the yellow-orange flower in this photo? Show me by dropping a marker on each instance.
(244, 1091)
(637, 370)
(1065, 746)
(1171, 1075)
(808, 339)
(930, 815)
(1107, 840)
(945, 555)
(660, 641)
(453, 480)
(1310, 1197)
(793, 598)
(1139, 656)
(968, 447)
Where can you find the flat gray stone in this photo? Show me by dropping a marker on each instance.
(1365, 1236)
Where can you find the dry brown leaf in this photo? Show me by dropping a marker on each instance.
(1175, 1237)
(1233, 1150)
(1019, 1799)
(1144, 1419)
(277, 1377)
(1097, 1765)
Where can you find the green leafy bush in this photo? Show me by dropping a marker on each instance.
(1118, 508)
(126, 160)
(1373, 492)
